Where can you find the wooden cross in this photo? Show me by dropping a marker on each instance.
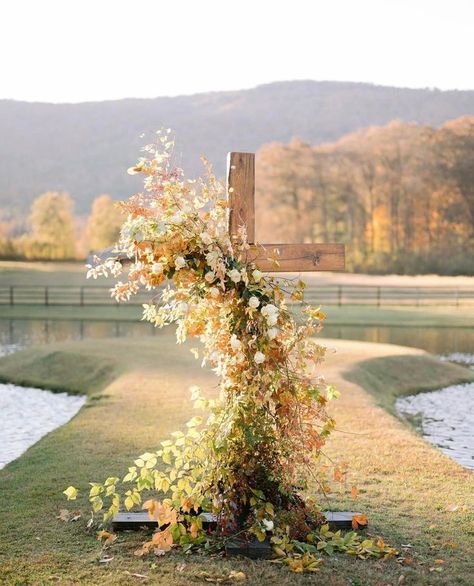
(290, 257)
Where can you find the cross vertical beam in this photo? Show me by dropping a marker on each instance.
(241, 193)
(290, 257)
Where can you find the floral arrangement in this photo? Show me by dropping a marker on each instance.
(249, 461)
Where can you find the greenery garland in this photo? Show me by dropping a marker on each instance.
(249, 462)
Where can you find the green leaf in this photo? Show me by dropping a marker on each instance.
(97, 504)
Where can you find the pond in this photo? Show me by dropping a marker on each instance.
(17, 333)
(442, 422)
(27, 414)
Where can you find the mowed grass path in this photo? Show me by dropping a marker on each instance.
(138, 393)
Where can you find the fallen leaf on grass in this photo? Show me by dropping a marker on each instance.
(107, 537)
(451, 508)
(105, 560)
(239, 576)
(359, 520)
(354, 492)
(180, 567)
(64, 515)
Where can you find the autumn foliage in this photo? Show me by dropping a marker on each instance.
(401, 197)
(250, 456)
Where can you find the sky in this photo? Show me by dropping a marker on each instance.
(88, 50)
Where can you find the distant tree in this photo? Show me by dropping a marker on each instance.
(103, 225)
(52, 235)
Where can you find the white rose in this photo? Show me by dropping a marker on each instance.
(257, 275)
(235, 342)
(272, 333)
(254, 302)
(157, 267)
(272, 319)
(234, 275)
(214, 291)
(179, 263)
(177, 219)
(206, 239)
(210, 276)
(268, 524)
(259, 357)
(212, 258)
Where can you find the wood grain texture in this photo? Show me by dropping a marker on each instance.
(241, 193)
(299, 257)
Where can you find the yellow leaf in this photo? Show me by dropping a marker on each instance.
(71, 493)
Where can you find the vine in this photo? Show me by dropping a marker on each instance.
(249, 461)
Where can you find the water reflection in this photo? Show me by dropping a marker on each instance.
(439, 341)
(17, 333)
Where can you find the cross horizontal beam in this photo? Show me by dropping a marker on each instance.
(298, 257)
(290, 257)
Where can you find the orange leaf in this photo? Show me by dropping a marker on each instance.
(359, 520)
(354, 492)
(194, 530)
(338, 475)
(162, 540)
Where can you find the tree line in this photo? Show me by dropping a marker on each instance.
(401, 197)
(52, 231)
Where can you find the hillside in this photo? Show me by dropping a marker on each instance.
(86, 148)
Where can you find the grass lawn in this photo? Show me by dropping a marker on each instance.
(43, 273)
(412, 493)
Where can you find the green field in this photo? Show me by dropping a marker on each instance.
(447, 317)
(138, 394)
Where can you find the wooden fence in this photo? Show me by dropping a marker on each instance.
(340, 295)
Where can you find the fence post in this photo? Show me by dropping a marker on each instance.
(46, 295)
(339, 295)
(457, 297)
(12, 295)
(81, 297)
(378, 296)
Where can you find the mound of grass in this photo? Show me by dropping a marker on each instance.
(389, 377)
(59, 370)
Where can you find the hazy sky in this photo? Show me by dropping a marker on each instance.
(82, 50)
